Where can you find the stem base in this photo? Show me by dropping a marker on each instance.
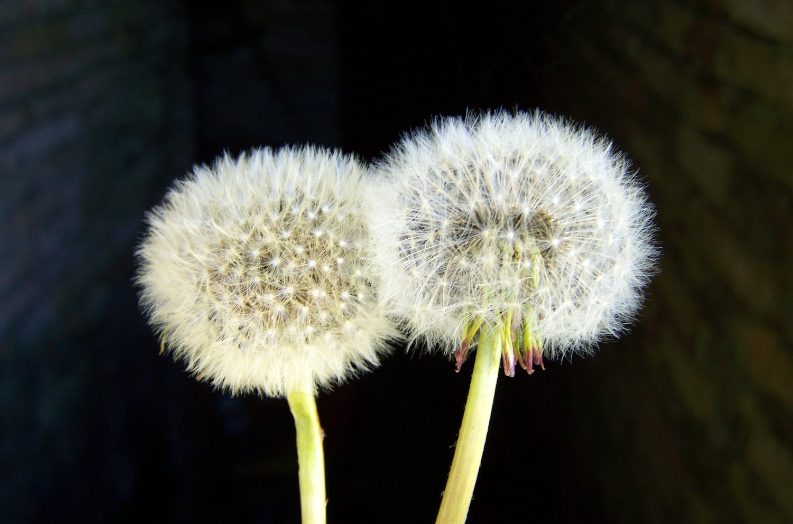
(473, 431)
(310, 456)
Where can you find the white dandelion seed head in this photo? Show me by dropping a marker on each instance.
(239, 284)
(521, 220)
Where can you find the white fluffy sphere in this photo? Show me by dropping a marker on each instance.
(520, 221)
(256, 272)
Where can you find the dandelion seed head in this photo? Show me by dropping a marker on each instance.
(522, 217)
(239, 272)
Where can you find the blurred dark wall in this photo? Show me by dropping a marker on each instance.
(264, 74)
(95, 115)
(104, 102)
(691, 416)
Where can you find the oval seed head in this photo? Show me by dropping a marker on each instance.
(256, 272)
(522, 222)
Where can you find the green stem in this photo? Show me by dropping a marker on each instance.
(473, 431)
(310, 456)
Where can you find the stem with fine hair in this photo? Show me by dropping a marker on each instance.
(310, 456)
(473, 431)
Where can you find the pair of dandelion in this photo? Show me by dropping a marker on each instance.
(281, 272)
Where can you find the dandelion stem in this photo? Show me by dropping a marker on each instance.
(309, 455)
(473, 431)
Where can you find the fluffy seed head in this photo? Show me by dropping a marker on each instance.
(523, 222)
(256, 272)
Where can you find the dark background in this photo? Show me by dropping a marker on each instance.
(104, 102)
